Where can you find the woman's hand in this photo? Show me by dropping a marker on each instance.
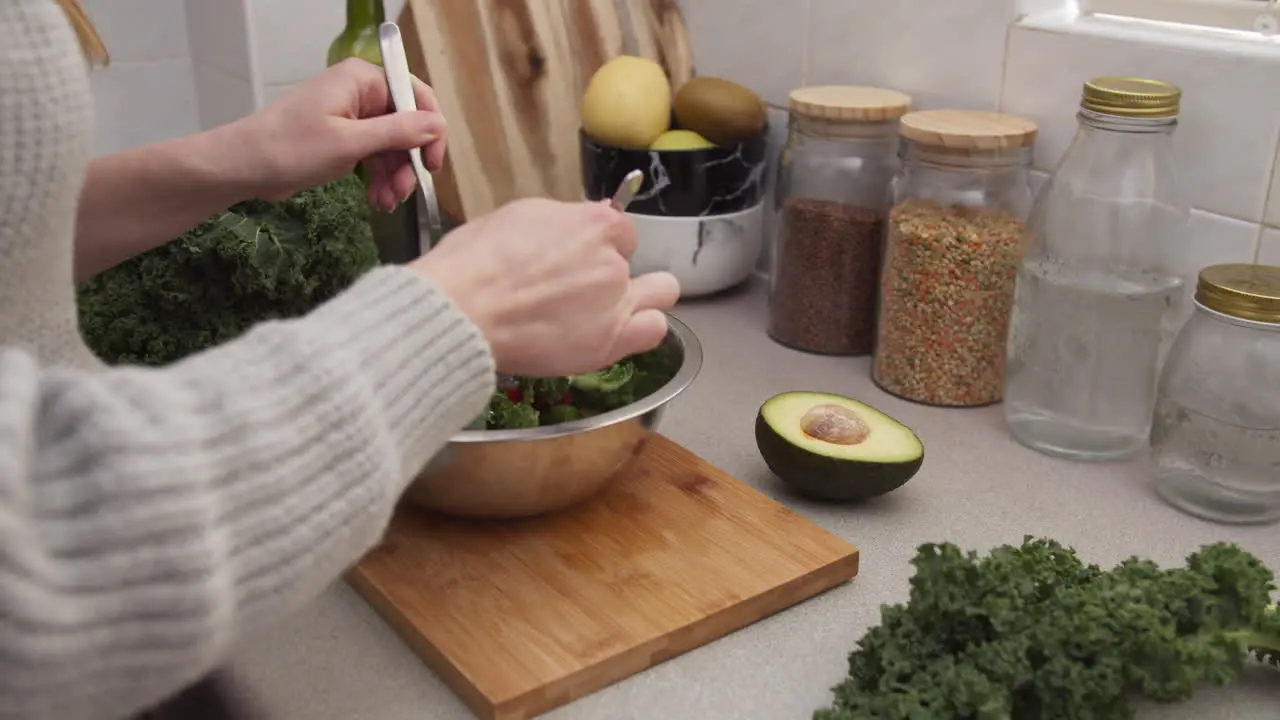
(549, 285)
(328, 124)
(134, 200)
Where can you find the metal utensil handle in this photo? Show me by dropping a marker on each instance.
(395, 63)
(627, 189)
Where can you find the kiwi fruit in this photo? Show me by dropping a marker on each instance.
(719, 110)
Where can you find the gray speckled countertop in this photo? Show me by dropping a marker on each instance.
(338, 661)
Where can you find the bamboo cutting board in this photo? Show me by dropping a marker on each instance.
(520, 617)
(509, 76)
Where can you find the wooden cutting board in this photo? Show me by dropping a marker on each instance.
(522, 617)
(509, 77)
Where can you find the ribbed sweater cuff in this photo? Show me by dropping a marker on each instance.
(430, 366)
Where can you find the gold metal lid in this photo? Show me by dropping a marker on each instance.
(1131, 97)
(1248, 292)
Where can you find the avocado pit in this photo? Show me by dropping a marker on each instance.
(834, 424)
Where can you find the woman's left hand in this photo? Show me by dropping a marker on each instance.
(324, 127)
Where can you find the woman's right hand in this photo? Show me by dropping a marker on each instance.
(549, 284)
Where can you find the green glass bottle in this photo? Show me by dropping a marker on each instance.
(393, 232)
(360, 37)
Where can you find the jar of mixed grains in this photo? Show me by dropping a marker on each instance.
(833, 180)
(955, 226)
(1215, 436)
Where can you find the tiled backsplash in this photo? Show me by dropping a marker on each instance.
(178, 67)
(146, 94)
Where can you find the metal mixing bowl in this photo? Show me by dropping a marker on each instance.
(520, 473)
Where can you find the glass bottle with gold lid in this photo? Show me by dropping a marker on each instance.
(1215, 436)
(1102, 285)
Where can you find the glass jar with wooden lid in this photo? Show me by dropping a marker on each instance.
(832, 186)
(953, 241)
(1215, 433)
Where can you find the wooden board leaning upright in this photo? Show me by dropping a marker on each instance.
(510, 78)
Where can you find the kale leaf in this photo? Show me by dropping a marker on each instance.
(511, 414)
(607, 380)
(533, 402)
(255, 261)
(1033, 633)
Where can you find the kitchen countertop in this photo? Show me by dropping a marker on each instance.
(338, 661)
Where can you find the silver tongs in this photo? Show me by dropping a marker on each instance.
(395, 63)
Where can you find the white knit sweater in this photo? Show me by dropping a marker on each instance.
(149, 517)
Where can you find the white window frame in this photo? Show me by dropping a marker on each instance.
(1252, 16)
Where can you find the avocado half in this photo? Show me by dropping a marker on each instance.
(830, 447)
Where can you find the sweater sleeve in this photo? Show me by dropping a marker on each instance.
(148, 517)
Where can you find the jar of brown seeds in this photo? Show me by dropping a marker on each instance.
(832, 193)
(953, 243)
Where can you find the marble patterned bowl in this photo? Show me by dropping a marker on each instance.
(706, 254)
(699, 213)
(680, 183)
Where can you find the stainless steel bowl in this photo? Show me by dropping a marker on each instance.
(520, 473)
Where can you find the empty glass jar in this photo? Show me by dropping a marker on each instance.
(1215, 437)
(1100, 289)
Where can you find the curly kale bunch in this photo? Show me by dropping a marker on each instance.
(255, 261)
(1033, 633)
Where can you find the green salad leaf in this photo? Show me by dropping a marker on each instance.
(607, 380)
(510, 413)
(534, 402)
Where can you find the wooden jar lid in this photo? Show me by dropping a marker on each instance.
(848, 103)
(967, 130)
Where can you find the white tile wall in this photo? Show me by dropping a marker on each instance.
(941, 53)
(1271, 215)
(222, 97)
(222, 56)
(1030, 57)
(146, 93)
(219, 36)
(292, 37)
(139, 30)
(1226, 156)
(765, 48)
(1219, 239)
(1021, 56)
(1269, 247)
(140, 102)
(1226, 141)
